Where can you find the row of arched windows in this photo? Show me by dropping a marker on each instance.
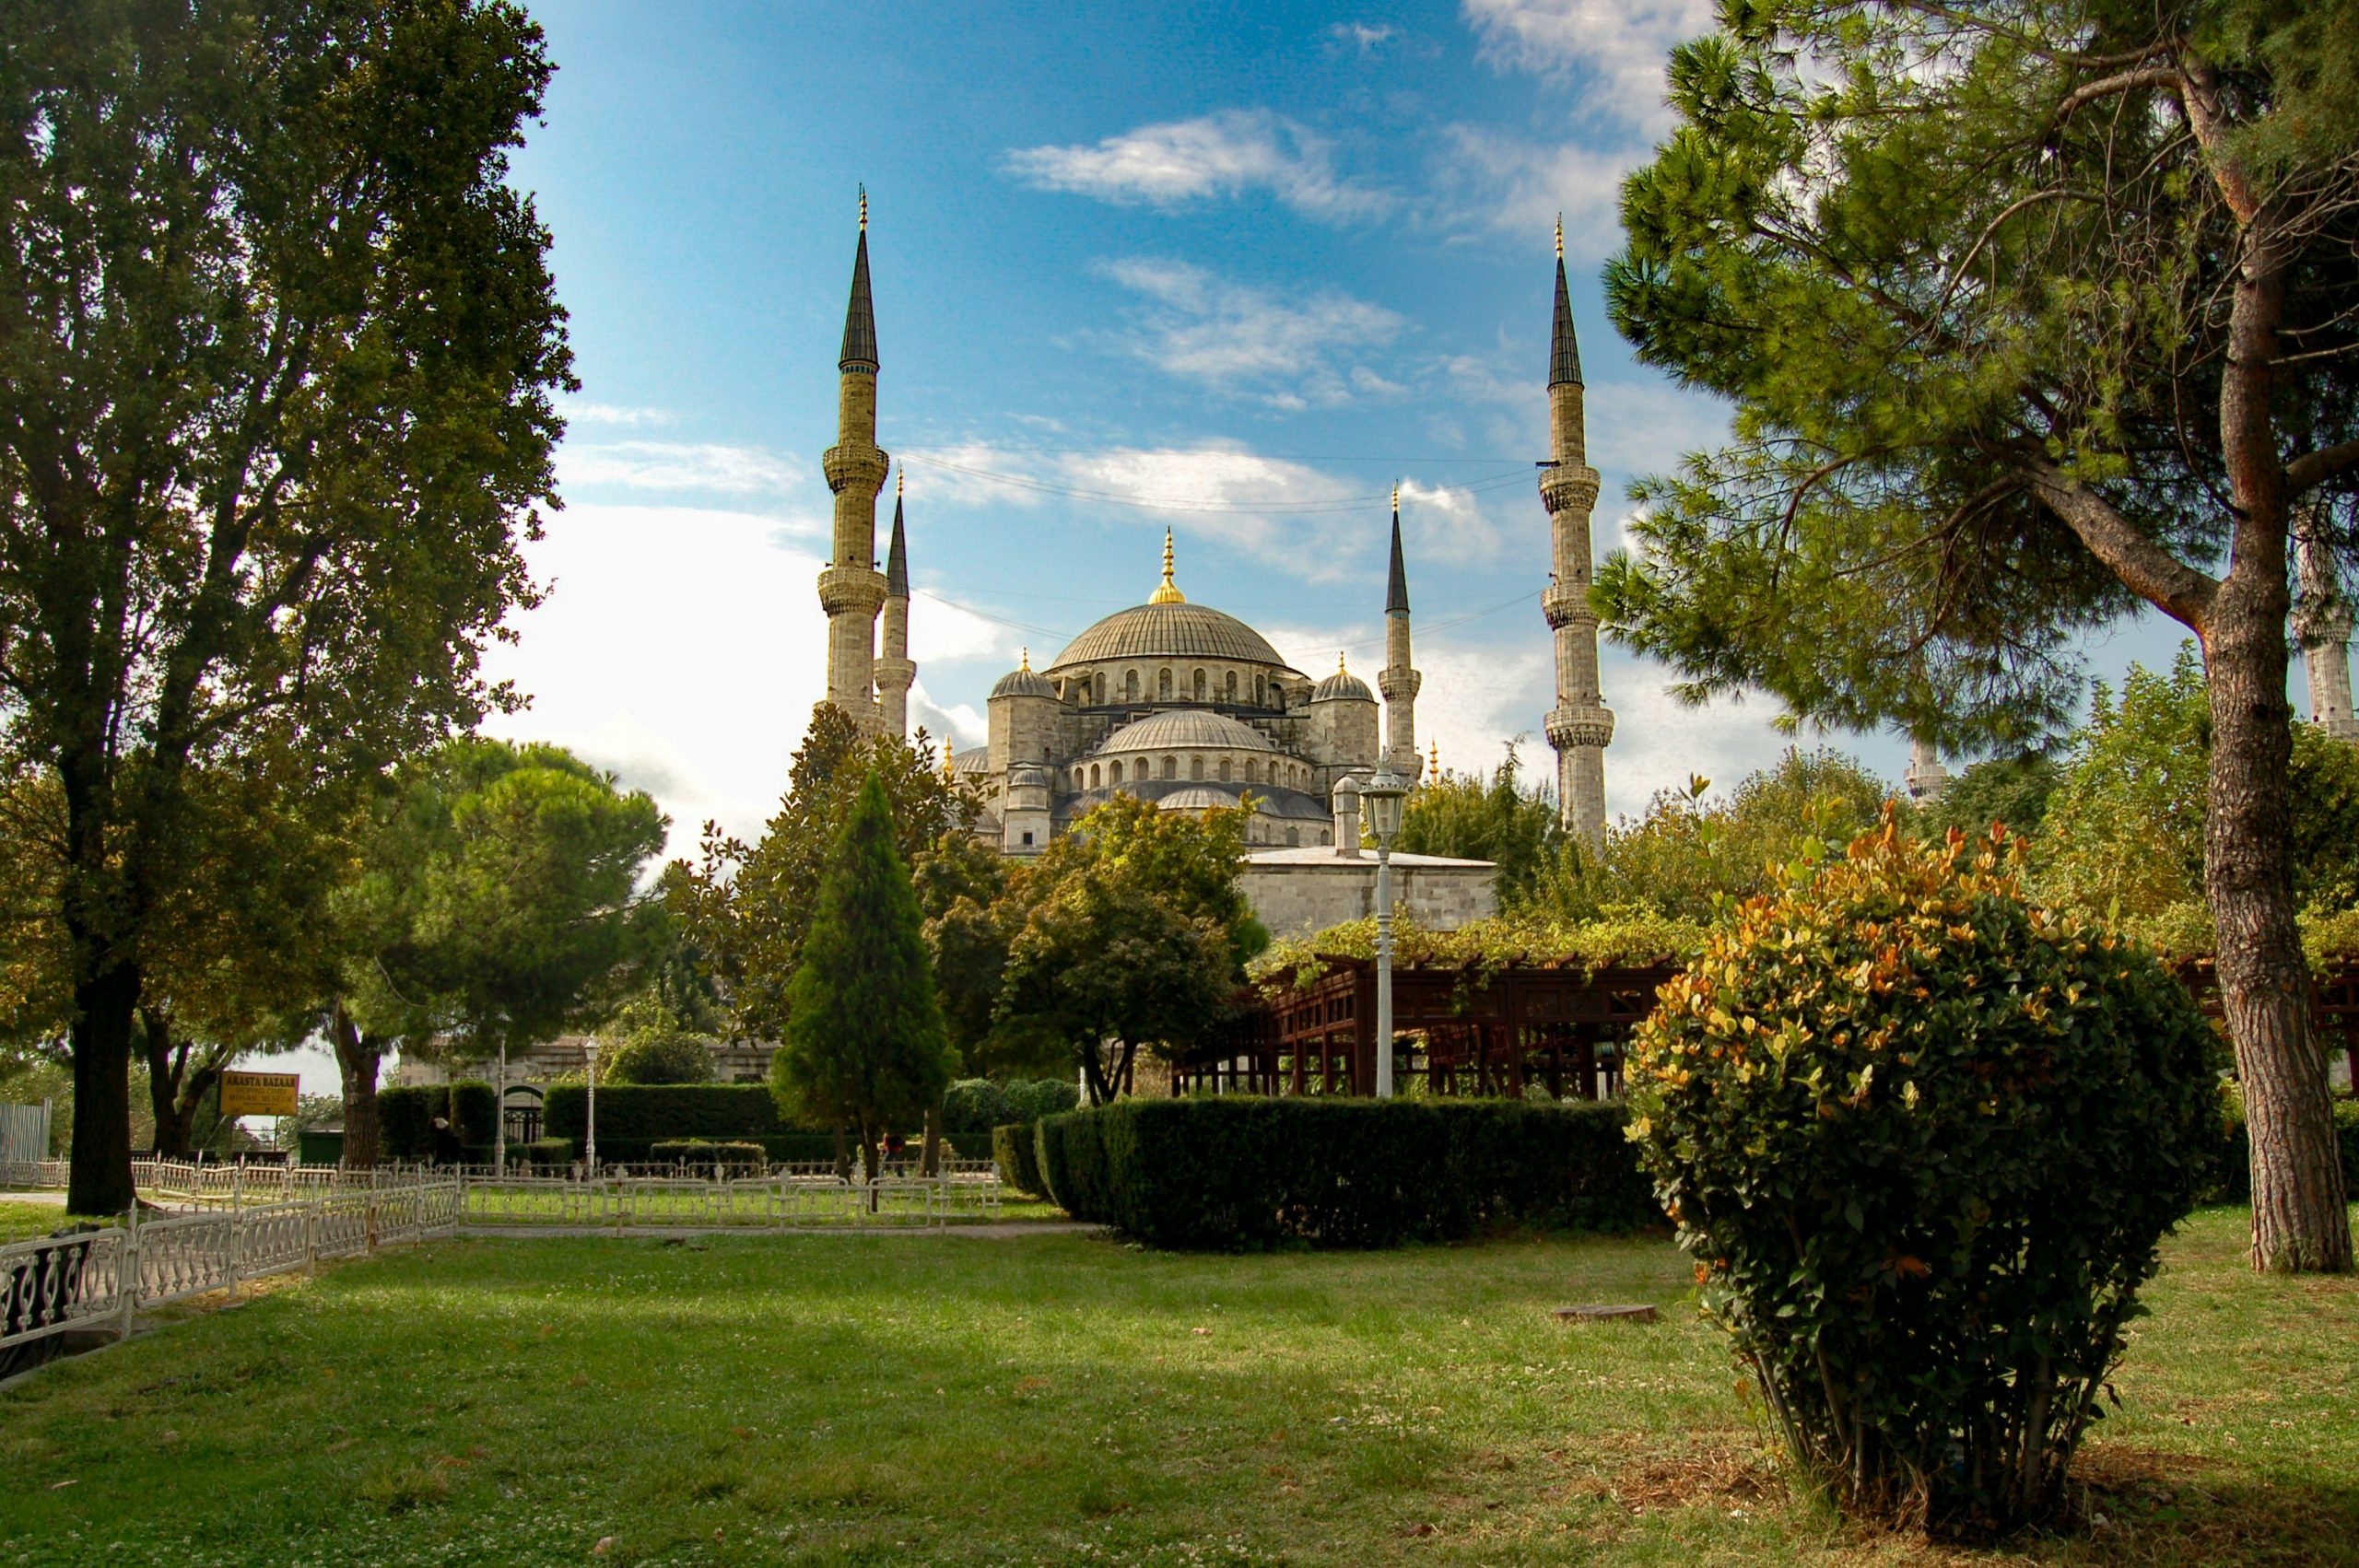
(1228, 770)
(1202, 685)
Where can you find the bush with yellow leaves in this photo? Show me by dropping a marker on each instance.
(1921, 1138)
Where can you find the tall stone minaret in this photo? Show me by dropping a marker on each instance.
(2323, 626)
(894, 671)
(851, 589)
(1398, 682)
(1925, 778)
(1580, 725)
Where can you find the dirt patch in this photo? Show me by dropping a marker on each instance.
(1709, 1477)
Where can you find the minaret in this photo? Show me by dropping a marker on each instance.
(894, 671)
(1925, 778)
(1580, 725)
(2323, 626)
(1398, 682)
(851, 589)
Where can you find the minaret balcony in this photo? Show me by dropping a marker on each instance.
(1567, 604)
(856, 462)
(1569, 487)
(1584, 726)
(1399, 686)
(851, 589)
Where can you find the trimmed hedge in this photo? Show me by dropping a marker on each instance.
(635, 1114)
(545, 1152)
(702, 1152)
(1030, 1099)
(1015, 1148)
(1239, 1172)
(978, 1104)
(405, 1114)
(2235, 1153)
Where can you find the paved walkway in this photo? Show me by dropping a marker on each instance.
(58, 1199)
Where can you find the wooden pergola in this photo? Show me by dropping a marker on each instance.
(1478, 1031)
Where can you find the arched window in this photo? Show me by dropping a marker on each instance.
(1224, 770)
(1199, 685)
(1229, 684)
(1324, 838)
(1294, 837)
(1171, 767)
(1093, 774)
(1261, 692)
(1130, 686)
(1252, 771)
(1196, 767)
(1163, 687)
(1118, 773)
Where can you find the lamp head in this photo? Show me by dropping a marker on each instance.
(1382, 798)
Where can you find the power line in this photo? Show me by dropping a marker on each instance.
(1115, 497)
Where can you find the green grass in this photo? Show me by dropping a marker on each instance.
(22, 1221)
(1063, 1398)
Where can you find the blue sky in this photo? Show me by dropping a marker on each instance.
(1229, 268)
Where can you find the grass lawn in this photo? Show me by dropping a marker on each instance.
(20, 1221)
(1065, 1398)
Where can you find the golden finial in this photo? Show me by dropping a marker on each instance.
(1027, 663)
(949, 766)
(863, 209)
(1339, 661)
(900, 482)
(1168, 593)
(1396, 497)
(1560, 236)
(1433, 759)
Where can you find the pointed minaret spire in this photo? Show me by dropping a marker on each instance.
(1398, 680)
(860, 315)
(894, 671)
(1563, 349)
(1168, 593)
(851, 591)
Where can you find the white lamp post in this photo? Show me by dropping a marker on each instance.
(499, 1117)
(1382, 799)
(589, 1127)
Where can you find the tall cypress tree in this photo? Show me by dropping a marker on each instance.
(864, 1045)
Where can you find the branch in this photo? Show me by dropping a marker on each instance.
(2150, 571)
(2111, 87)
(2313, 469)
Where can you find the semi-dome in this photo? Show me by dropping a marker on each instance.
(1170, 630)
(1195, 798)
(1192, 728)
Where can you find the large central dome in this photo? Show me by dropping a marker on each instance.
(1168, 631)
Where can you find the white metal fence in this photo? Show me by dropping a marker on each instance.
(24, 1134)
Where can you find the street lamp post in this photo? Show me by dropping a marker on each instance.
(589, 1127)
(1382, 799)
(499, 1118)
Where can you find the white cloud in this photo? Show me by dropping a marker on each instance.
(1363, 36)
(942, 632)
(1221, 154)
(615, 414)
(1520, 187)
(696, 467)
(1618, 47)
(1288, 352)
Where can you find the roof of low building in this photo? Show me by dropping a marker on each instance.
(1326, 855)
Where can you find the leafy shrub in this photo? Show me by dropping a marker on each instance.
(629, 1114)
(2234, 1164)
(546, 1153)
(1235, 1171)
(975, 1105)
(407, 1114)
(1921, 1138)
(1016, 1150)
(705, 1152)
(660, 1055)
(1030, 1099)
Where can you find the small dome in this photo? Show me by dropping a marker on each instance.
(1199, 727)
(1195, 798)
(1023, 682)
(973, 760)
(1342, 686)
(1025, 774)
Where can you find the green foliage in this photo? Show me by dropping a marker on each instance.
(864, 1046)
(2012, 790)
(550, 1154)
(1016, 1150)
(1922, 1140)
(1239, 1172)
(2233, 1162)
(975, 1105)
(1459, 815)
(1031, 1099)
(408, 1112)
(704, 1153)
(2123, 836)
(629, 1114)
(1532, 940)
(1129, 931)
(747, 910)
(652, 1047)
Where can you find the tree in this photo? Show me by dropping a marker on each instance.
(2013, 789)
(274, 409)
(651, 1046)
(1459, 814)
(2032, 314)
(748, 909)
(1129, 931)
(494, 905)
(864, 1045)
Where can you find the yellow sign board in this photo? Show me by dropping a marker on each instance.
(259, 1093)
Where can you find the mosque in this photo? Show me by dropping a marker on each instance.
(1177, 703)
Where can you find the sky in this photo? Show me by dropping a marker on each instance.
(1234, 269)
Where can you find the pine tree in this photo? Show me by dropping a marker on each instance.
(864, 1045)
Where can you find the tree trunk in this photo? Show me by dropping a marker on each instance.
(2299, 1221)
(1093, 1073)
(99, 1179)
(358, 1057)
(175, 1112)
(930, 1162)
(843, 1154)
